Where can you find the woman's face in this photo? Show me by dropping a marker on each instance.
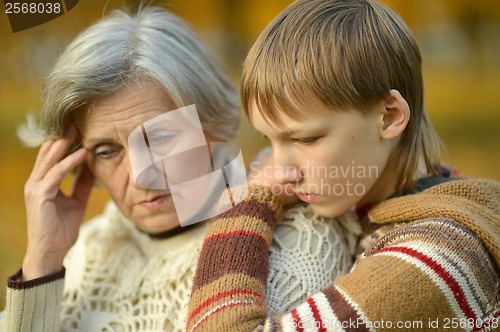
(105, 129)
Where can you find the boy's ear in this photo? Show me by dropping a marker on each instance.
(396, 116)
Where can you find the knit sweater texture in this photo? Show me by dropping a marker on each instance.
(432, 263)
(119, 279)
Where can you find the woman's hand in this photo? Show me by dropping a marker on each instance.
(53, 218)
(262, 172)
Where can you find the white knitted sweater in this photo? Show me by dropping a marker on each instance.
(119, 279)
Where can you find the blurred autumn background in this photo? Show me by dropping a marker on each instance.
(459, 39)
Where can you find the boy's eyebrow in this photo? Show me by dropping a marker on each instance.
(301, 131)
(288, 132)
(285, 131)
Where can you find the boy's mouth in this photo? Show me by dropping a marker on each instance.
(307, 197)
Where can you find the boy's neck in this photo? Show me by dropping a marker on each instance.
(386, 184)
(421, 171)
(381, 190)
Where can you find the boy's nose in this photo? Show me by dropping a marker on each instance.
(287, 174)
(285, 169)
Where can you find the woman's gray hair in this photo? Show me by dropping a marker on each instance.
(151, 43)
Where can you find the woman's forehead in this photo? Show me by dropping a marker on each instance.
(124, 110)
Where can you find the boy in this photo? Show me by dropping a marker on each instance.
(336, 86)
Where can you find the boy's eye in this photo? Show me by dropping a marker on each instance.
(106, 151)
(305, 141)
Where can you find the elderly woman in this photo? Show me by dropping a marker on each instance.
(130, 268)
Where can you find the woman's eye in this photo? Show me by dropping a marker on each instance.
(106, 151)
(305, 141)
(159, 140)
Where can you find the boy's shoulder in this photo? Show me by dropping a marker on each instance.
(473, 203)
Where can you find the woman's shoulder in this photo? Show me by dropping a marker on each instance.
(307, 253)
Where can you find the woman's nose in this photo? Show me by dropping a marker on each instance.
(143, 173)
(153, 177)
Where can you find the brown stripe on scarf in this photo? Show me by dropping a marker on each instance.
(253, 262)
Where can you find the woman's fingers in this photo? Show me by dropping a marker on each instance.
(52, 152)
(43, 151)
(56, 174)
(83, 185)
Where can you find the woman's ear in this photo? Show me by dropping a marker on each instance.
(396, 116)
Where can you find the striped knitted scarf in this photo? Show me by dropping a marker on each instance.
(433, 264)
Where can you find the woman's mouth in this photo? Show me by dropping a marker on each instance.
(156, 202)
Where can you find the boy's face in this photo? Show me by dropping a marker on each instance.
(332, 160)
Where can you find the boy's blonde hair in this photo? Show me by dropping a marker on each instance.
(342, 53)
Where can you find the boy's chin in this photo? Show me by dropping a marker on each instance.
(331, 210)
